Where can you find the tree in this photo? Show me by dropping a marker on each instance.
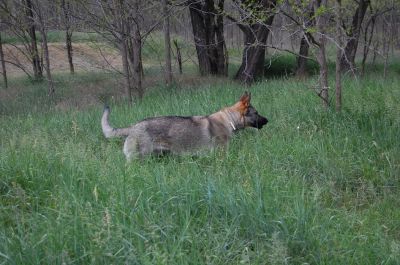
(353, 35)
(31, 29)
(167, 41)
(315, 33)
(302, 58)
(338, 72)
(208, 33)
(39, 8)
(3, 63)
(320, 7)
(66, 13)
(118, 22)
(256, 17)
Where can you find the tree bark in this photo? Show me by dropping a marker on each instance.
(178, 56)
(167, 41)
(338, 72)
(42, 30)
(3, 64)
(385, 46)
(125, 64)
(137, 51)
(353, 35)
(301, 68)
(36, 62)
(367, 43)
(68, 34)
(124, 39)
(321, 56)
(256, 35)
(208, 32)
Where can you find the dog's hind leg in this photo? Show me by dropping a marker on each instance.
(131, 147)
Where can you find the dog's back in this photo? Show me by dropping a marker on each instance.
(177, 134)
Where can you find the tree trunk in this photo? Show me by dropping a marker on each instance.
(321, 56)
(255, 35)
(124, 39)
(367, 44)
(36, 62)
(221, 53)
(301, 68)
(46, 52)
(353, 35)
(167, 40)
(68, 42)
(125, 67)
(178, 56)
(137, 52)
(3, 64)
(385, 46)
(338, 72)
(68, 34)
(207, 24)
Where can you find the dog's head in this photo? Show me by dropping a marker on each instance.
(250, 115)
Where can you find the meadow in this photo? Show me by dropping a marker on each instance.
(312, 187)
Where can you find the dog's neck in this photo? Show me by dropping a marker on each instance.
(233, 119)
(230, 120)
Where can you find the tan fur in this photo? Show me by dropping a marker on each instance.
(182, 134)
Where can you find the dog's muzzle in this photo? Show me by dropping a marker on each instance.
(261, 122)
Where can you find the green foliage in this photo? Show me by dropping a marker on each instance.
(321, 10)
(312, 187)
(285, 65)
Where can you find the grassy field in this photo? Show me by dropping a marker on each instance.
(312, 187)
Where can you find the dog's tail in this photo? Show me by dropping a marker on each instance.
(109, 131)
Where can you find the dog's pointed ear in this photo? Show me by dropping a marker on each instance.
(245, 99)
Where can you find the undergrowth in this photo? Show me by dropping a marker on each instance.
(312, 187)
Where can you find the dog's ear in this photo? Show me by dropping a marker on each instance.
(245, 99)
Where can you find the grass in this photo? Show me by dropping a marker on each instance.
(312, 187)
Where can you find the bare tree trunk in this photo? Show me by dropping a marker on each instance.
(256, 36)
(221, 52)
(207, 24)
(367, 43)
(385, 46)
(124, 28)
(167, 40)
(137, 51)
(301, 68)
(46, 55)
(338, 72)
(321, 56)
(200, 40)
(178, 56)
(68, 33)
(3, 64)
(348, 58)
(125, 66)
(36, 62)
(376, 47)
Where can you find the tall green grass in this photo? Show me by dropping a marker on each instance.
(312, 187)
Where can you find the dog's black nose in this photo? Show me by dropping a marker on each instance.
(261, 122)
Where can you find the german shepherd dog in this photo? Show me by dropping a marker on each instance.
(177, 135)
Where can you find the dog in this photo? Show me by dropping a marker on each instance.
(178, 135)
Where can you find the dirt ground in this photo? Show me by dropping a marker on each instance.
(86, 57)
